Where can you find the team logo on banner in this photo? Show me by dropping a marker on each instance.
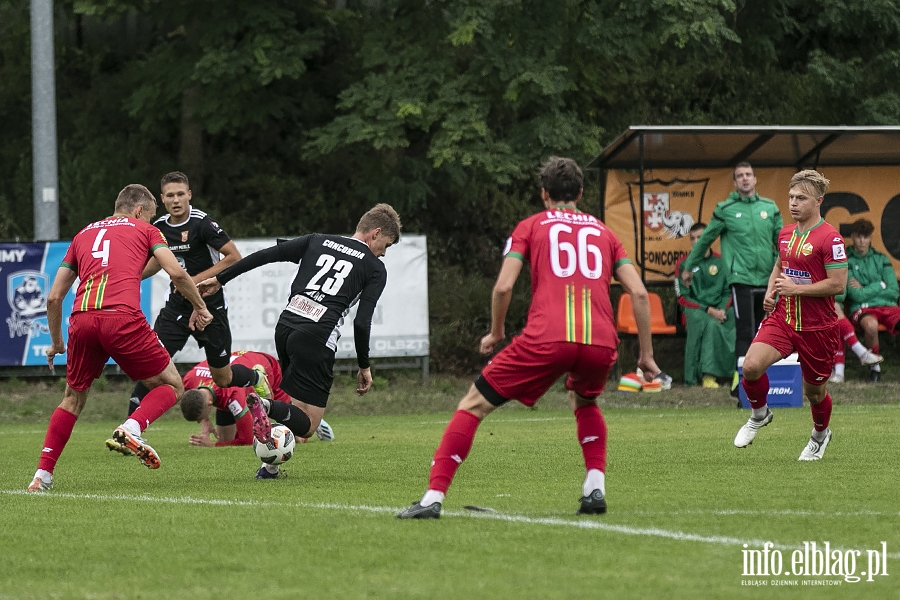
(26, 294)
(661, 219)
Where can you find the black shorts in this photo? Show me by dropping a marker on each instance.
(224, 418)
(307, 366)
(172, 328)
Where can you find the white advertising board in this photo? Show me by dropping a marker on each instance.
(256, 299)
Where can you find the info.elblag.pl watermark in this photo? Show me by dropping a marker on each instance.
(812, 564)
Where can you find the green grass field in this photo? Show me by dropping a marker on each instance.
(683, 502)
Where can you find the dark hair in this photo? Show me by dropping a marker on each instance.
(192, 404)
(697, 226)
(384, 216)
(174, 177)
(862, 227)
(133, 195)
(562, 178)
(744, 164)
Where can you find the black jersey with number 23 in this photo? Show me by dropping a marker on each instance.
(334, 273)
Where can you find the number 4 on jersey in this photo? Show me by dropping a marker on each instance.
(100, 249)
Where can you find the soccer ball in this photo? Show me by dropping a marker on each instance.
(279, 449)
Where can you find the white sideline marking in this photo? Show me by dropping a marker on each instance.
(584, 523)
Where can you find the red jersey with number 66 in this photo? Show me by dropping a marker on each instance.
(109, 256)
(572, 256)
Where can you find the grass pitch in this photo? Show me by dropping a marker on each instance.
(683, 503)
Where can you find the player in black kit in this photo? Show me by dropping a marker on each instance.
(197, 241)
(335, 272)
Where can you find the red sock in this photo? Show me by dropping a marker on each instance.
(848, 334)
(592, 436)
(875, 349)
(58, 433)
(154, 405)
(821, 413)
(757, 391)
(453, 449)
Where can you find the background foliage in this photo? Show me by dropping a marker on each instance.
(291, 117)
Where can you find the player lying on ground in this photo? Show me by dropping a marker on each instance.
(234, 425)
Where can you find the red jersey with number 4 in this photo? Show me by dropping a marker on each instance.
(806, 257)
(109, 256)
(572, 256)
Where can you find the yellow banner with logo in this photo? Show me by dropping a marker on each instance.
(675, 199)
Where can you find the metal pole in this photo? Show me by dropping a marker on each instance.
(640, 210)
(43, 123)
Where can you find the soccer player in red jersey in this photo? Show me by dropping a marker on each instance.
(234, 424)
(108, 257)
(570, 330)
(811, 271)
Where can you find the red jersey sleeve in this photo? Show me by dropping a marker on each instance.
(69, 259)
(834, 254)
(234, 400)
(519, 244)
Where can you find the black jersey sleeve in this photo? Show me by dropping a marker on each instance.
(289, 251)
(362, 324)
(213, 235)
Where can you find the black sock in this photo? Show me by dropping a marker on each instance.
(291, 417)
(137, 394)
(242, 376)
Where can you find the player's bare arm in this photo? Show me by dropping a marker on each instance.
(230, 255)
(500, 299)
(640, 301)
(65, 277)
(151, 268)
(832, 285)
(208, 287)
(201, 317)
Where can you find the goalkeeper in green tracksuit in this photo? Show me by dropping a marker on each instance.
(748, 225)
(708, 318)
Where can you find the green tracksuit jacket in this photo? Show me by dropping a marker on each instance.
(875, 273)
(749, 230)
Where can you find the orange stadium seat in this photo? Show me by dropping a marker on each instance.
(625, 316)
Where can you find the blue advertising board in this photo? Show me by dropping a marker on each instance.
(28, 270)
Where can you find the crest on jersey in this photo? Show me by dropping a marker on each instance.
(806, 249)
(184, 236)
(662, 219)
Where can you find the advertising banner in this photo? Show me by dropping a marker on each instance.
(256, 299)
(28, 270)
(675, 199)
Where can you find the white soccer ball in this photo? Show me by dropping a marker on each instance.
(279, 449)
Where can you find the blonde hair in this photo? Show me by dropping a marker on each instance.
(384, 216)
(812, 181)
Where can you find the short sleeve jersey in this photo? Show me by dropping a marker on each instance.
(572, 256)
(196, 243)
(806, 257)
(109, 257)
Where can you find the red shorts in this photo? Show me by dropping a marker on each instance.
(96, 335)
(888, 316)
(816, 349)
(524, 371)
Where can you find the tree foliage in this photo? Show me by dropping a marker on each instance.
(297, 116)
